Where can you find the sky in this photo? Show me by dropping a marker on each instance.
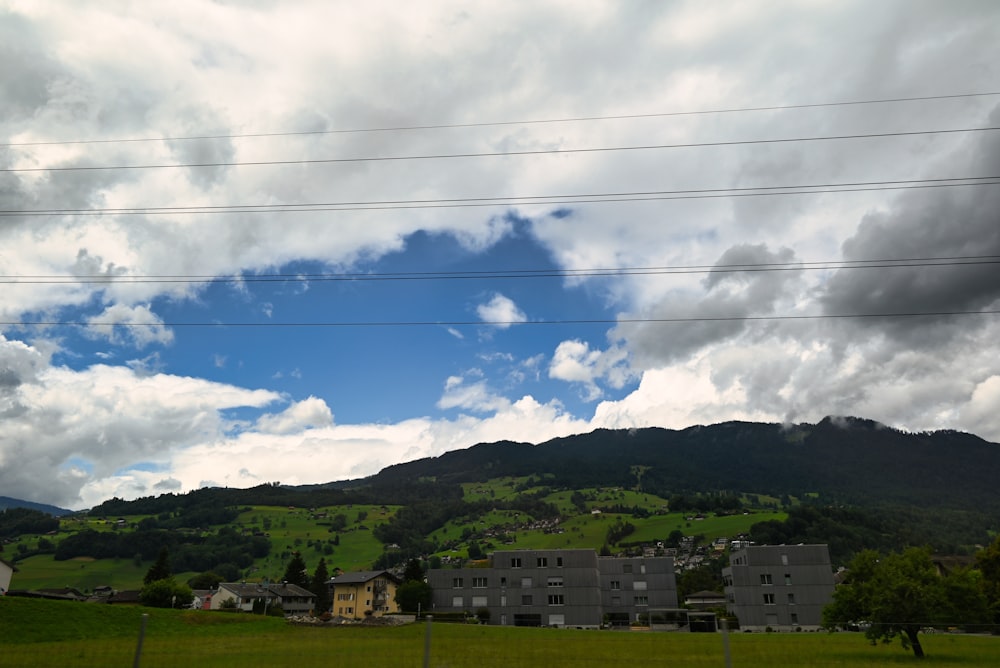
(248, 242)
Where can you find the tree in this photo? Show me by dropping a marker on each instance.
(296, 572)
(988, 562)
(160, 570)
(414, 572)
(166, 594)
(206, 580)
(898, 594)
(414, 595)
(319, 589)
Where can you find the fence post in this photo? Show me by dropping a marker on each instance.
(138, 647)
(427, 643)
(725, 642)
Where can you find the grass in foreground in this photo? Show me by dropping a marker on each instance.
(45, 633)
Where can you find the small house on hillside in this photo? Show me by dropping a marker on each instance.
(260, 596)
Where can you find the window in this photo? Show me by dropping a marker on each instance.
(616, 584)
(456, 583)
(616, 600)
(768, 599)
(642, 568)
(526, 583)
(639, 585)
(556, 599)
(457, 602)
(503, 600)
(515, 562)
(788, 578)
(626, 568)
(791, 599)
(765, 579)
(795, 618)
(526, 599)
(503, 582)
(557, 620)
(559, 562)
(543, 562)
(554, 582)
(784, 560)
(642, 600)
(478, 601)
(479, 583)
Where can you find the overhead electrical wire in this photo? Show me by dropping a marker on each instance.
(884, 263)
(587, 198)
(493, 154)
(503, 323)
(442, 126)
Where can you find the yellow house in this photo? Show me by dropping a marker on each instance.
(356, 595)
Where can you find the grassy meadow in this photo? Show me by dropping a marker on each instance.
(47, 633)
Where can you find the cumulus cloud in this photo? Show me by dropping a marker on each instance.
(574, 362)
(501, 311)
(136, 324)
(475, 396)
(310, 413)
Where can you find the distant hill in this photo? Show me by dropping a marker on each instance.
(840, 460)
(8, 502)
(837, 461)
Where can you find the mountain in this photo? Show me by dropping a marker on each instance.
(8, 502)
(843, 460)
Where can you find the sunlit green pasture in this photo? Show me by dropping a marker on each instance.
(44, 572)
(45, 633)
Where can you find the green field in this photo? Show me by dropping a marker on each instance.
(46, 633)
(292, 529)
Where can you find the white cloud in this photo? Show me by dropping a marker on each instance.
(502, 311)
(476, 396)
(310, 413)
(137, 324)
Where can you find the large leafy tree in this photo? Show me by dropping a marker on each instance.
(414, 595)
(166, 593)
(899, 594)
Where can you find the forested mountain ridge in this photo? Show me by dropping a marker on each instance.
(842, 460)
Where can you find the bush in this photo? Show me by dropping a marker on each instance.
(166, 593)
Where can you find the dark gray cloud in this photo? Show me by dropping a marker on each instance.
(945, 222)
(726, 294)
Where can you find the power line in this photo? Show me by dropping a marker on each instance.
(885, 263)
(442, 126)
(502, 323)
(493, 154)
(588, 198)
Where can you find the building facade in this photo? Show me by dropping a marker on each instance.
(356, 595)
(781, 587)
(573, 588)
(259, 596)
(6, 574)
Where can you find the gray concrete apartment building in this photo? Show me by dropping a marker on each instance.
(557, 588)
(784, 587)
